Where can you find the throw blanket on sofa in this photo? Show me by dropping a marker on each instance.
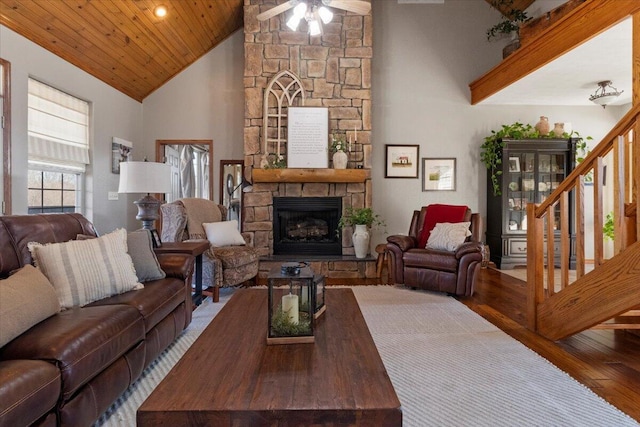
(198, 212)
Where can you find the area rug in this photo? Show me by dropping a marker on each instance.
(448, 365)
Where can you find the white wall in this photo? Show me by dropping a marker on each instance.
(113, 114)
(205, 101)
(425, 56)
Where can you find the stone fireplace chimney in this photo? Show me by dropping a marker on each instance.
(335, 70)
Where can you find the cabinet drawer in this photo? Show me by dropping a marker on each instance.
(519, 247)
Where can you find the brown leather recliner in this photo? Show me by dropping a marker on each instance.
(436, 270)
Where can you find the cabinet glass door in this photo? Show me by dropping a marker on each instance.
(551, 172)
(520, 180)
(530, 178)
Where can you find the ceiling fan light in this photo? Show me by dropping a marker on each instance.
(314, 28)
(325, 14)
(300, 10)
(293, 23)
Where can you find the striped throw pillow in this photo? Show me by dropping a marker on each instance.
(83, 271)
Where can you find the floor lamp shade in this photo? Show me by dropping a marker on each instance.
(145, 177)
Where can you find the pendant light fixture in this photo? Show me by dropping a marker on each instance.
(605, 94)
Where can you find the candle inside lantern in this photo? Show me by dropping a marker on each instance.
(349, 143)
(355, 130)
(290, 306)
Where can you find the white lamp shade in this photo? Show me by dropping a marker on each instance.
(144, 177)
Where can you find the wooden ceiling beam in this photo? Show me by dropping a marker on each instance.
(581, 24)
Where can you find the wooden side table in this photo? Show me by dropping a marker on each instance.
(195, 248)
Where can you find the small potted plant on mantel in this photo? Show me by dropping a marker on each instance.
(509, 25)
(362, 219)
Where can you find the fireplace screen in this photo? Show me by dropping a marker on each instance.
(306, 225)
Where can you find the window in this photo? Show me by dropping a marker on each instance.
(58, 140)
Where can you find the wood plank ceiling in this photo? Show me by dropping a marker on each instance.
(122, 42)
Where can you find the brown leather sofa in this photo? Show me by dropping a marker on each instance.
(68, 369)
(436, 270)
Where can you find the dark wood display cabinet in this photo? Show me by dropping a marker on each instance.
(531, 170)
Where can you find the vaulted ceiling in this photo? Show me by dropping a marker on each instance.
(122, 42)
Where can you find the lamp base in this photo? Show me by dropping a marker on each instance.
(147, 211)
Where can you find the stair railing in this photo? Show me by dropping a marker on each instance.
(623, 147)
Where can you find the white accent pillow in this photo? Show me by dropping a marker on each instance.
(448, 236)
(223, 233)
(83, 271)
(27, 299)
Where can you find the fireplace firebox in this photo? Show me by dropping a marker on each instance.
(306, 225)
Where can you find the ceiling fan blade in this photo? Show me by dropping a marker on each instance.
(360, 7)
(276, 10)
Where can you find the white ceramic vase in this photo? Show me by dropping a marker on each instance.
(361, 240)
(340, 160)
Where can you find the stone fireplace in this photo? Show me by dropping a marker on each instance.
(335, 72)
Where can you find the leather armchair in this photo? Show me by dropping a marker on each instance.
(436, 270)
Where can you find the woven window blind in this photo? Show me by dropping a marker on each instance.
(58, 129)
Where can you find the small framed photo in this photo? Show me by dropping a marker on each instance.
(438, 174)
(401, 161)
(155, 238)
(514, 164)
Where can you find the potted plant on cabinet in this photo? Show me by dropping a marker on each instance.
(491, 148)
(361, 219)
(509, 25)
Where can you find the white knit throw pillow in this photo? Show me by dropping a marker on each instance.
(448, 236)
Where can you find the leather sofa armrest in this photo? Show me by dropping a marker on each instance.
(177, 265)
(469, 248)
(403, 242)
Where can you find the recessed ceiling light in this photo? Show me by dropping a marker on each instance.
(160, 11)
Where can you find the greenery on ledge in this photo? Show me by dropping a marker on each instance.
(491, 148)
(510, 23)
(360, 216)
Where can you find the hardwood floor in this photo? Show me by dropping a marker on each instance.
(606, 361)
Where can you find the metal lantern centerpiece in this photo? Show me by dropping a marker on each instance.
(296, 299)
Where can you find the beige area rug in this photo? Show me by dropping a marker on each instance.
(449, 366)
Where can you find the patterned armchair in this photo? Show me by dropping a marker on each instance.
(222, 266)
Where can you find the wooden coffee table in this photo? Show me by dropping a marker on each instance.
(231, 377)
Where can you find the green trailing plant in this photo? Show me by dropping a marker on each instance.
(491, 148)
(510, 22)
(607, 227)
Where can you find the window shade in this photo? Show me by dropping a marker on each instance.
(58, 129)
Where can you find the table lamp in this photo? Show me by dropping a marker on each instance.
(145, 177)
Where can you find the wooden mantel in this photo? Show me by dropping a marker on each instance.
(311, 175)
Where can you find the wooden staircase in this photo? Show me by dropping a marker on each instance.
(609, 295)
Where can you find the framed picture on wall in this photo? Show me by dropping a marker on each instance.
(401, 161)
(438, 174)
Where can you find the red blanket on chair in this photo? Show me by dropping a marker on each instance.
(439, 213)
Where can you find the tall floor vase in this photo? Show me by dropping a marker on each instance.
(361, 241)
